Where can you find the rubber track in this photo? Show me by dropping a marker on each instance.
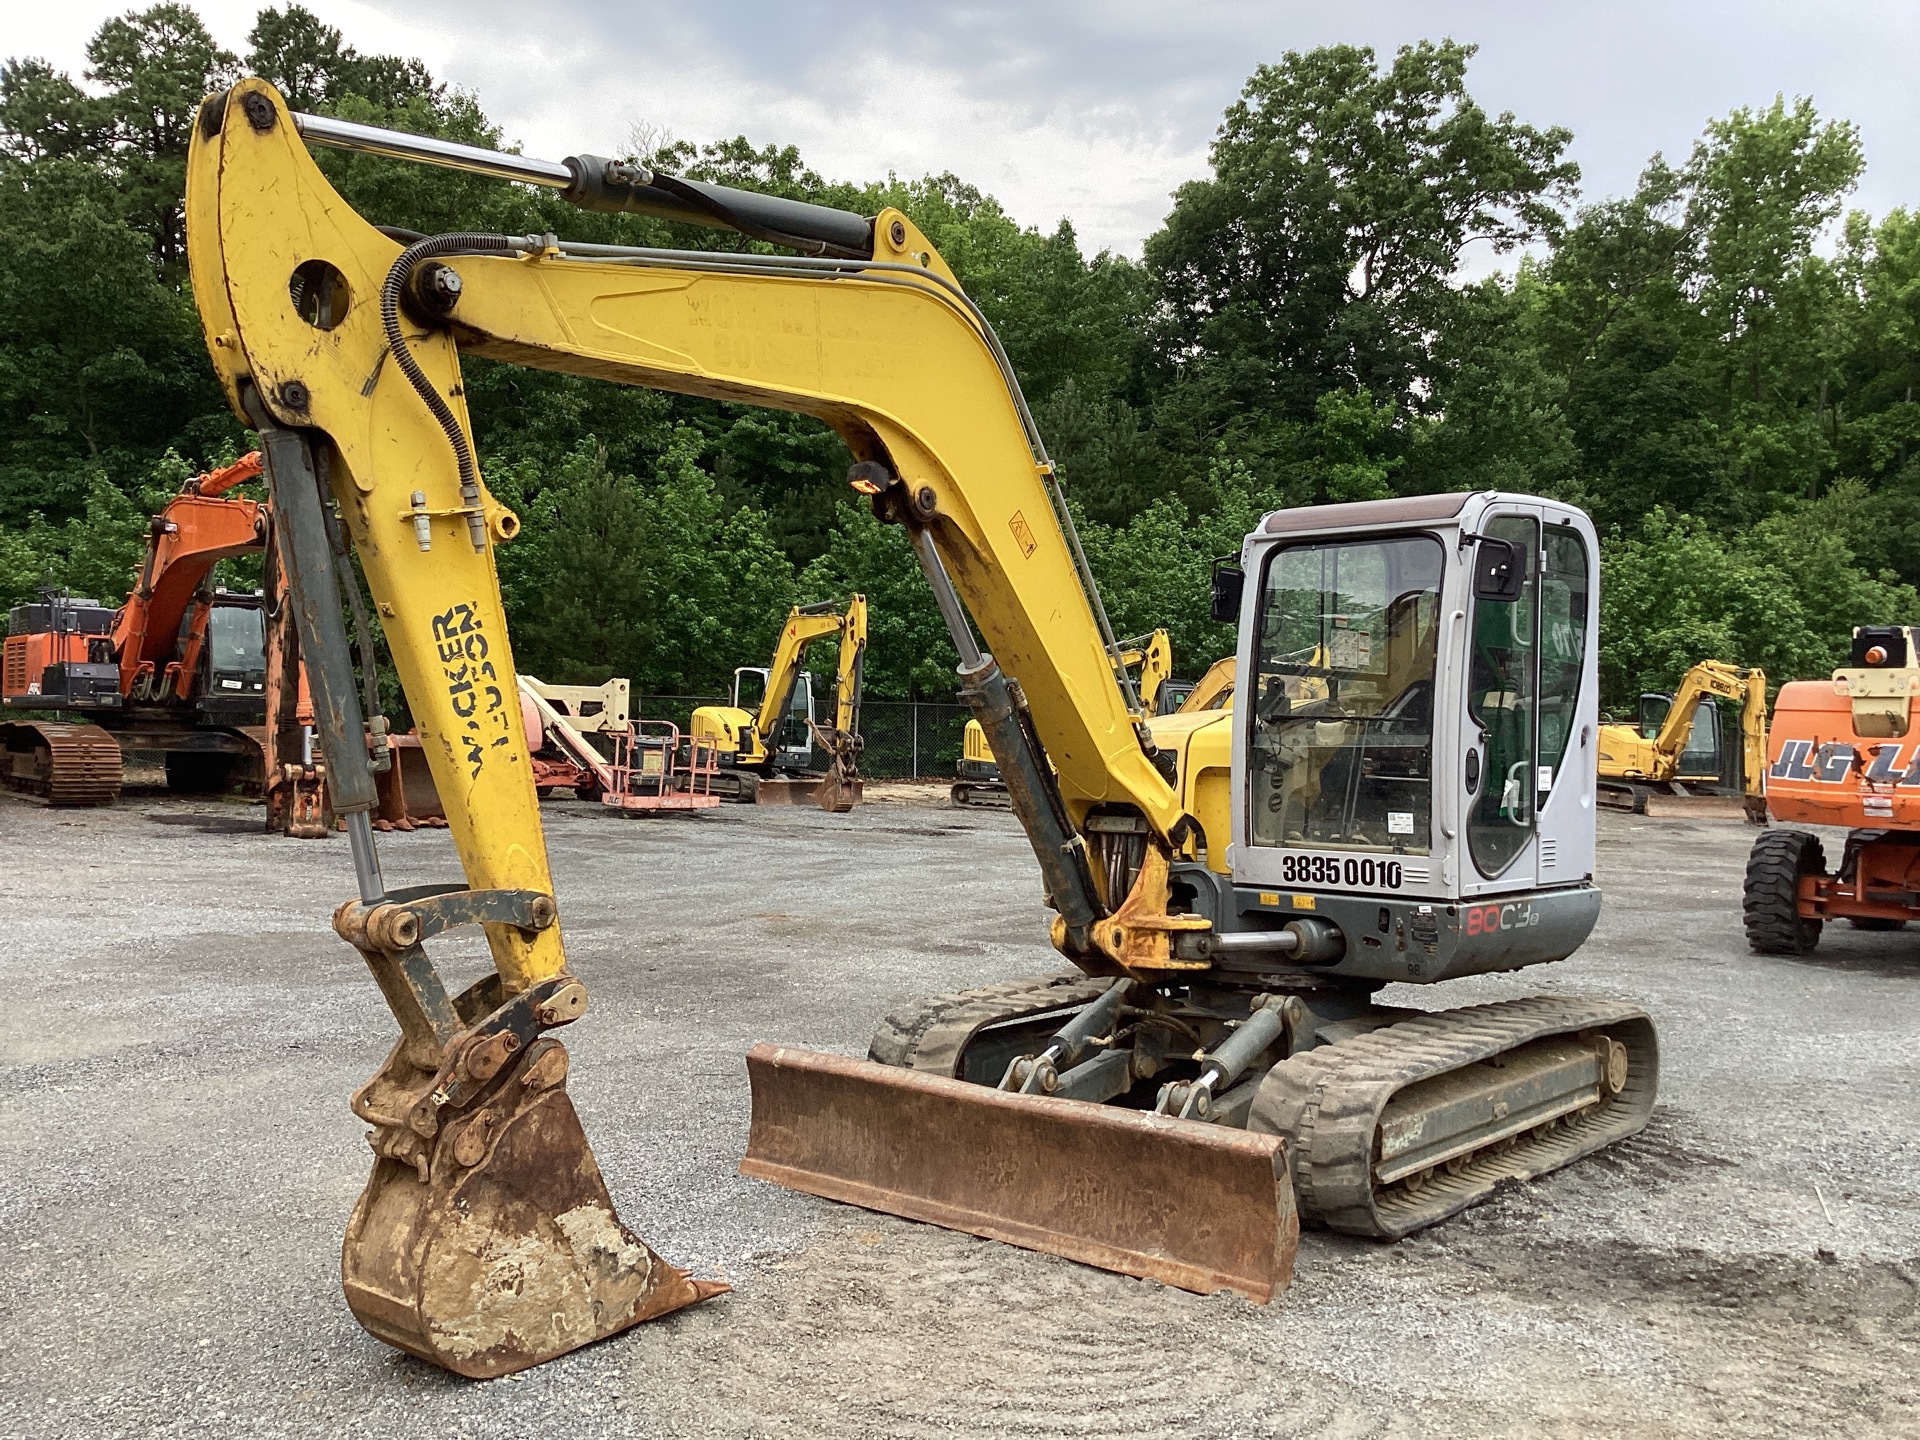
(82, 764)
(932, 1034)
(1328, 1101)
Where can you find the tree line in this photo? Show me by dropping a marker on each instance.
(1718, 366)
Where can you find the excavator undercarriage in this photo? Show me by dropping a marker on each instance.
(1385, 1120)
(61, 762)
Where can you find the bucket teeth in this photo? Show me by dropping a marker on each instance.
(508, 1253)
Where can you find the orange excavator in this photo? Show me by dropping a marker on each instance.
(209, 678)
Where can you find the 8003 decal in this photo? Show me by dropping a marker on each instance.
(1354, 872)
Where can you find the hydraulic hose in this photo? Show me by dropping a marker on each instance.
(391, 290)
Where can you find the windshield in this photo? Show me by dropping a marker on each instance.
(1343, 696)
(237, 640)
(749, 688)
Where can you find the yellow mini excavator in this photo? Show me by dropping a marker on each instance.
(1671, 763)
(1154, 692)
(768, 753)
(1409, 794)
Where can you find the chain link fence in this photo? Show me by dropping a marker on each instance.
(905, 739)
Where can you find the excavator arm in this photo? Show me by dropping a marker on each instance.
(839, 787)
(1753, 740)
(888, 351)
(1718, 680)
(1710, 679)
(850, 670)
(804, 626)
(1153, 656)
(195, 531)
(1215, 688)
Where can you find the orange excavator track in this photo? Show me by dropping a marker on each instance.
(65, 765)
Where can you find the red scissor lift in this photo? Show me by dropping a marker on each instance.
(652, 772)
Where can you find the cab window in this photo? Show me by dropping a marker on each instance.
(1343, 696)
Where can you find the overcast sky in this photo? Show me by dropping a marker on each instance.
(1097, 111)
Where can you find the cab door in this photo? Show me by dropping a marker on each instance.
(1500, 772)
(796, 732)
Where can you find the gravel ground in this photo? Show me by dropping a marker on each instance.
(177, 1163)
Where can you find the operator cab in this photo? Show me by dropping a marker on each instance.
(234, 660)
(1415, 754)
(1706, 755)
(792, 747)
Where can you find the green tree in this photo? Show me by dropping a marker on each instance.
(655, 580)
(311, 64)
(1784, 595)
(909, 656)
(151, 68)
(95, 552)
(1701, 338)
(1319, 256)
(100, 358)
(1157, 569)
(1502, 408)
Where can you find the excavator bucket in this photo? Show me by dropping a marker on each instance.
(507, 1251)
(1197, 1206)
(408, 796)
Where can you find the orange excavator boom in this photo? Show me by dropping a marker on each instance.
(195, 531)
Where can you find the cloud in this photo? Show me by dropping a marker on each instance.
(1096, 112)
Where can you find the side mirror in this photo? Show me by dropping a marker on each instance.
(1499, 570)
(1228, 581)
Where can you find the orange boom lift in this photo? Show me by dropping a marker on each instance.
(1842, 752)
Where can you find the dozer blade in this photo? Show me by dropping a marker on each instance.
(508, 1253)
(1196, 1206)
(1695, 807)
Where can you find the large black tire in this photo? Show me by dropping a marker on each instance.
(1770, 904)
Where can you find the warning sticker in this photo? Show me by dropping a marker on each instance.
(1023, 534)
(1351, 649)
